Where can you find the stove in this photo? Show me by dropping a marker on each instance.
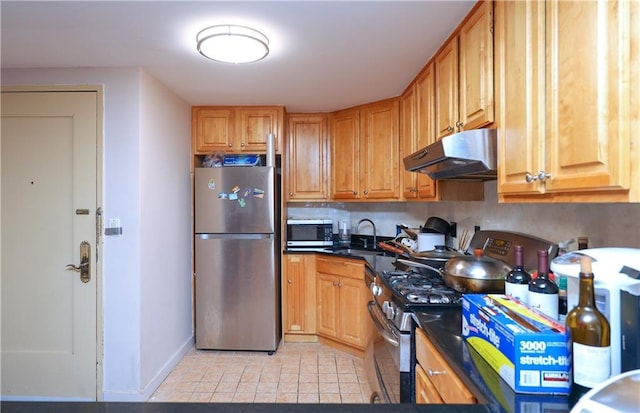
(398, 293)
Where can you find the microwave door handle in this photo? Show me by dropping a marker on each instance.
(385, 330)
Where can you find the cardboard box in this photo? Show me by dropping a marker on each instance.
(501, 397)
(529, 350)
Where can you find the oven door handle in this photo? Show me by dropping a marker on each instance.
(386, 330)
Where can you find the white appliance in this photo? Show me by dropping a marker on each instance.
(616, 279)
(619, 394)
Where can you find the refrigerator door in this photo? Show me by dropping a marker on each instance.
(236, 200)
(237, 292)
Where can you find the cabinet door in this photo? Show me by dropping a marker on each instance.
(345, 155)
(327, 296)
(425, 133)
(446, 68)
(476, 108)
(588, 99)
(408, 130)
(298, 299)
(519, 30)
(351, 312)
(307, 157)
(380, 174)
(212, 130)
(254, 124)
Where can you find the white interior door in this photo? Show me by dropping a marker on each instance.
(49, 181)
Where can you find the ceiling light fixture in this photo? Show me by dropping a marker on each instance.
(230, 43)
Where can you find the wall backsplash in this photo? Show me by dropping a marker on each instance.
(606, 225)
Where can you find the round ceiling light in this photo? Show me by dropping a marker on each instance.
(232, 44)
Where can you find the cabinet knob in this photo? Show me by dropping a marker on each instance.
(459, 124)
(355, 192)
(230, 145)
(433, 373)
(449, 128)
(366, 192)
(242, 144)
(290, 193)
(339, 284)
(530, 178)
(543, 176)
(289, 281)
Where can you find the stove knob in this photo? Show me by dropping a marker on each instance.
(376, 289)
(389, 310)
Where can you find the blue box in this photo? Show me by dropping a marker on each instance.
(530, 351)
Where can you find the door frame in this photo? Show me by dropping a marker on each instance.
(99, 265)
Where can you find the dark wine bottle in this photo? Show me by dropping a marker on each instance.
(590, 337)
(543, 292)
(518, 279)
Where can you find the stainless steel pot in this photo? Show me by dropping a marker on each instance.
(475, 274)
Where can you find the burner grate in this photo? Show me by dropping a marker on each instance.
(421, 288)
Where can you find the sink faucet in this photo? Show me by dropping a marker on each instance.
(375, 237)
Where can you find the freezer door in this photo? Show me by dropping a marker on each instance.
(234, 200)
(237, 293)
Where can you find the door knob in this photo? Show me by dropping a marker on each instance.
(85, 262)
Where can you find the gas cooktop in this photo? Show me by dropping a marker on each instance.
(420, 288)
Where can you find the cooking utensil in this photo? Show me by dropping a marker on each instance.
(410, 232)
(418, 265)
(436, 257)
(475, 274)
(436, 224)
(391, 248)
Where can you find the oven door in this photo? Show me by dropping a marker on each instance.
(388, 360)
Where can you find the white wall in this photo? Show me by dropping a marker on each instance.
(165, 218)
(127, 268)
(614, 225)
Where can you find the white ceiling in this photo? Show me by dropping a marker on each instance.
(324, 55)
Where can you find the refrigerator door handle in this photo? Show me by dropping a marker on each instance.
(235, 236)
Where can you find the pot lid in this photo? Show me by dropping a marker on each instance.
(439, 252)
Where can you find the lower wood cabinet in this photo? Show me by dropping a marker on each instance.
(435, 380)
(341, 299)
(299, 297)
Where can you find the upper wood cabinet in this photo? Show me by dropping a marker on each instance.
(365, 149)
(464, 75)
(307, 158)
(240, 129)
(568, 118)
(417, 130)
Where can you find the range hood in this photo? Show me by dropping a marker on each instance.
(468, 155)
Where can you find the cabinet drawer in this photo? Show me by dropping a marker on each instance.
(343, 267)
(447, 383)
(426, 393)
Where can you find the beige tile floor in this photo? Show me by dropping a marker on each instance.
(296, 373)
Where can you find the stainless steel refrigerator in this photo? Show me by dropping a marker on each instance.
(237, 281)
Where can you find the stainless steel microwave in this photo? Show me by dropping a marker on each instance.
(309, 233)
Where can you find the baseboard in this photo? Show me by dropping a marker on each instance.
(153, 385)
